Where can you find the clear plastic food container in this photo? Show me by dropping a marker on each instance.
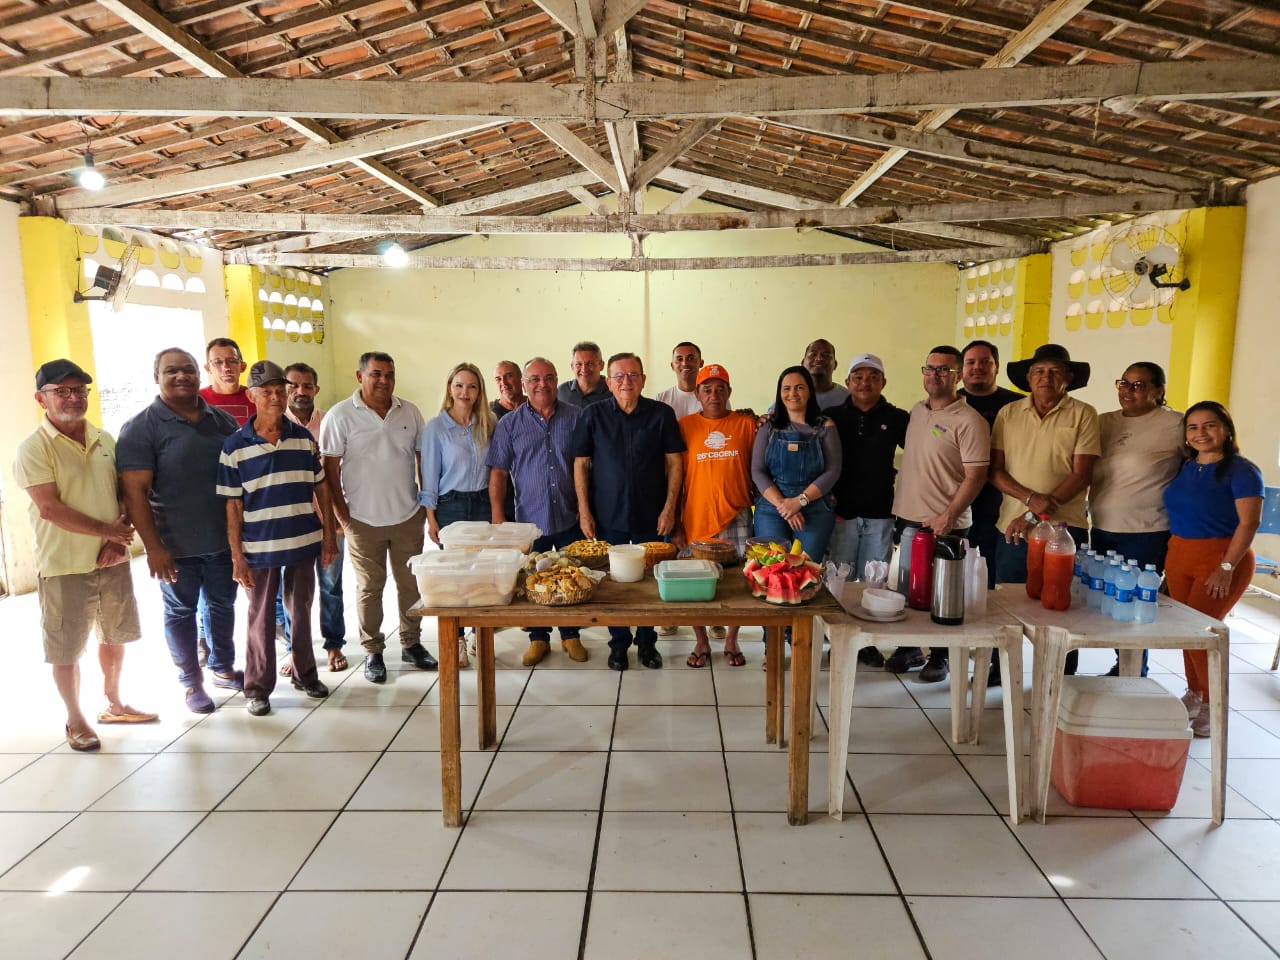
(481, 535)
(686, 579)
(466, 578)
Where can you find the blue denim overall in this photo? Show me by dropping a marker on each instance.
(794, 460)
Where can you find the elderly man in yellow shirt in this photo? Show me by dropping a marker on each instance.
(68, 468)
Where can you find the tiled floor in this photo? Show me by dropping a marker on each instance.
(625, 816)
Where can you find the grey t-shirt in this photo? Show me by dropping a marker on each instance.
(183, 459)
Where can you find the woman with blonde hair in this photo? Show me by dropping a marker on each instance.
(455, 480)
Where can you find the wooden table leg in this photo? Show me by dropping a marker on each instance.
(1218, 712)
(1051, 656)
(486, 696)
(450, 732)
(772, 671)
(819, 631)
(798, 750)
(842, 678)
(959, 660)
(978, 693)
(1011, 672)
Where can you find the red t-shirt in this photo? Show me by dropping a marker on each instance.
(237, 405)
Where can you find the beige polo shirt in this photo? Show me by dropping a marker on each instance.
(85, 478)
(939, 445)
(1038, 452)
(1140, 457)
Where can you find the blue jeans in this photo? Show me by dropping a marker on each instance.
(333, 625)
(819, 521)
(463, 505)
(1143, 547)
(620, 637)
(212, 573)
(554, 541)
(1011, 567)
(858, 539)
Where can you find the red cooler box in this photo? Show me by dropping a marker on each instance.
(1121, 743)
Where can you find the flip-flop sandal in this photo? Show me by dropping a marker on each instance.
(129, 716)
(286, 668)
(735, 658)
(338, 664)
(699, 659)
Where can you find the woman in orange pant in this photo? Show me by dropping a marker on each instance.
(1214, 504)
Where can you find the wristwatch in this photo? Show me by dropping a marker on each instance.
(1030, 517)
(802, 500)
(1226, 566)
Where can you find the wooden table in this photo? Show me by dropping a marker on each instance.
(626, 605)
(995, 629)
(1053, 633)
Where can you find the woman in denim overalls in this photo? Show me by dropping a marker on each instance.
(795, 463)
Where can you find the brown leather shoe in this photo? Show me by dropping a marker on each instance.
(574, 648)
(82, 741)
(538, 649)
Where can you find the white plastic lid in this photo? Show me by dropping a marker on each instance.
(465, 560)
(1135, 707)
(480, 533)
(685, 570)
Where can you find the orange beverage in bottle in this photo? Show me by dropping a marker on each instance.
(1039, 536)
(1058, 569)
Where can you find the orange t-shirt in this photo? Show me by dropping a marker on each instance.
(717, 471)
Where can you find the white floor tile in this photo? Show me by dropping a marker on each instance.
(875, 688)
(559, 728)
(666, 728)
(40, 927)
(411, 781)
(543, 781)
(874, 730)
(742, 728)
(67, 782)
(301, 781)
(673, 685)
(674, 926)
(11, 763)
(743, 687)
(1263, 917)
(982, 857)
(759, 782)
(658, 851)
(991, 774)
(554, 688)
(232, 730)
(508, 686)
(667, 781)
(1245, 740)
(379, 850)
(1168, 929)
(1257, 780)
(241, 851)
(1269, 720)
(897, 783)
(825, 856)
(1239, 860)
(527, 850)
(140, 737)
(549, 925)
(300, 921)
(101, 851)
(422, 730)
(158, 926)
(990, 733)
(974, 928)
(352, 728)
(1108, 857)
(1255, 691)
(792, 927)
(20, 833)
(181, 781)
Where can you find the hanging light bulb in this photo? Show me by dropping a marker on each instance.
(89, 177)
(395, 255)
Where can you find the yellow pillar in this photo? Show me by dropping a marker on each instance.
(244, 312)
(51, 273)
(1204, 316)
(1034, 289)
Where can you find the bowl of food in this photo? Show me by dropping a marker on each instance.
(782, 577)
(655, 551)
(559, 586)
(589, 553)
(723, 552)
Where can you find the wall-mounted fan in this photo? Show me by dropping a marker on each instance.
(1141, 266)
(114, 282)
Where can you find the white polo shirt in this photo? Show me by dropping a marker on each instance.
(379, 458)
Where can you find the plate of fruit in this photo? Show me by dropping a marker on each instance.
(778, 575)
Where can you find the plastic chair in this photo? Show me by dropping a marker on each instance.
(1270, 524)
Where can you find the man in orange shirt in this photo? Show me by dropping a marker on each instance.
(717, 485)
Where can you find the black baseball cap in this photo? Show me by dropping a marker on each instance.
(55, 371)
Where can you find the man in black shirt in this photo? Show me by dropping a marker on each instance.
(871, 430)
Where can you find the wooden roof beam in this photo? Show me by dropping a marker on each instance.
(583, 152)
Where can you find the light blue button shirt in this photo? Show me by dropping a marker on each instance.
(451, 459)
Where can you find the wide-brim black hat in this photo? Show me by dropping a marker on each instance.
(1018, 369)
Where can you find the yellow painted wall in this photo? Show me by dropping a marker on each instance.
(755, 322)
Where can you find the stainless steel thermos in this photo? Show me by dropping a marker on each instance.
(948, 580)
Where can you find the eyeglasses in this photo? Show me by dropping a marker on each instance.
(66, 393)
(534, 378)
(622, 377)
(295, 385)
(227, 362)
(940, 371)
(1137, 386)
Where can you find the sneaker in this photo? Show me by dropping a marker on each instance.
(1191, 700)
(871, 656)
(904, 659)
(717, 633)
(935, 670)
(668, 631)
(1200, 723)
(198, 701)
(463, 660)
(229, 681)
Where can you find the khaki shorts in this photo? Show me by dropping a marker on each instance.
(71, 604)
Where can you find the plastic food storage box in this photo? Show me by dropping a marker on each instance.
(686, 579)
(466, 578)
(481, 535)
(1121, 744)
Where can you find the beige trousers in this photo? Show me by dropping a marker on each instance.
(368, 550)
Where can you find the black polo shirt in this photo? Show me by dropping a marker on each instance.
(628, 487)
(986, 506)
(868, 442)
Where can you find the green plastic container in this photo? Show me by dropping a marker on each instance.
(686, 579)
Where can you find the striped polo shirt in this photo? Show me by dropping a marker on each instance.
(275, 481)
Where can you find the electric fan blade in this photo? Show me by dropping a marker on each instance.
(1123, 257)
(1143, 291)
(1163, 253)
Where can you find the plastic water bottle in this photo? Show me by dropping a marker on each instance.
(1097, 586)
(1109, 587)
(1080, 588)
(1126, 584)
(979, 587)
(1144, 606)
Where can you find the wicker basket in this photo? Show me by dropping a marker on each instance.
(591, 562)
(560, 598)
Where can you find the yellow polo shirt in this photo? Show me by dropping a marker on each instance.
(86, 480)
(1038, 452)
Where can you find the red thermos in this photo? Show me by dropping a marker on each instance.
(920, 584)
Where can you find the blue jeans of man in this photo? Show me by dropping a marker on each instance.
(554, 541)
(333, 624)
(860, 539)
(212, 573)
(1011, 567)
(1143, 547)
(620, 637)
(819, 521)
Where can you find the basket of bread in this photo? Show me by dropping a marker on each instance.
(559, 586)
(588, 553)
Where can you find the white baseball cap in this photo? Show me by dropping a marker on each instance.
(866, 360)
